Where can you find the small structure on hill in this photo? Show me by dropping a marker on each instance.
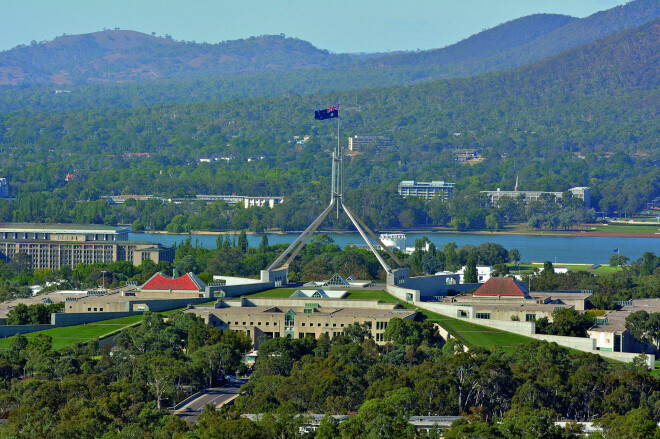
(318, 294)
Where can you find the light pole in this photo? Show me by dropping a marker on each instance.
(103, 274)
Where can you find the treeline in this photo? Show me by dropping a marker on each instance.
(509, 393)
(380, 209)
(84, 391)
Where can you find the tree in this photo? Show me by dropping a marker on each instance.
(263, 245)
(514, 256)
(548, 269)
(500, 270)
(636, 324)
(471, 276)
(243, 242)
(571, 323)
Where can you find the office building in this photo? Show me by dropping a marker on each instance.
(582, 193)
(263, 318)
(4, 188)
(357, 143)
(426, 190)
(57, 245)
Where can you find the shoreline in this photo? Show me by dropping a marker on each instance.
(568, 234)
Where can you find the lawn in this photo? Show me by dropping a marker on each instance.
(471, 334)
(529, 268)
(624, 228)
(70, 335)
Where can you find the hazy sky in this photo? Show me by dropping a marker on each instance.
(339, 25)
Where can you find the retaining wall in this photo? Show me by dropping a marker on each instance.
(243, 289)
(9, 330)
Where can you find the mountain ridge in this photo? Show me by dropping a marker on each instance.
(120, 56)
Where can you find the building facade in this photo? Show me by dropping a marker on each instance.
(357, 143)
(582, 193)
(4, 188)
(57, 245)
(263, 318)
(427, 190)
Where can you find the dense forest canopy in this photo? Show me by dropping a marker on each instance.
(586, 117)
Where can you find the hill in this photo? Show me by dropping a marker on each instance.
(120, 55)
(275, 65)
(525, 40)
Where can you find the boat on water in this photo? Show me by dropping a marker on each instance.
(393, 241)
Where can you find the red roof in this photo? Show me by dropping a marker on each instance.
(160, 281)
(502, 286)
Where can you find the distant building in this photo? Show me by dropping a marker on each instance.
(262, 318)
(504, 298)
(426, 190)
(262, 201)
(583, 193)
(357, 143)
(56, 245)
(4, 188)
(610, 330)
(465, 155)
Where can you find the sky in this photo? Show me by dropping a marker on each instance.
(336, 25)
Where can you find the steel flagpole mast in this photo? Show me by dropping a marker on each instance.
(339, 169)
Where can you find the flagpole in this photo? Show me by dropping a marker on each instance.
(339, 168)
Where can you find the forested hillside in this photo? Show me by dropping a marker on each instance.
(163, 70)
(526, 39)
(587, 117)
(118, 55)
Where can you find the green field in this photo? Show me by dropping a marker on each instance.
(624, 228)
(70, 335)
(471, 334)
(529, 268)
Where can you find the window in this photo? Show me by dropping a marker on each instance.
(302, 324)
(483, 315)
(308, 311)
(267, 323)
(334, 325)
(530, 317)
(89, 309)
(101, 309)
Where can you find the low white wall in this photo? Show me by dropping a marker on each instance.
(229, 280)
(577, 343)
(401, 292)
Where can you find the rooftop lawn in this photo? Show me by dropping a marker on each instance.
(70, 335)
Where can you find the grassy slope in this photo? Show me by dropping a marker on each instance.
(70, 335)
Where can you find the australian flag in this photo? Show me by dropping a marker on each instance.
(328, 113)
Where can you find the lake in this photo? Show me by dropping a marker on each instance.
(562, 249)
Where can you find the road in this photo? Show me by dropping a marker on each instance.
(217, 396)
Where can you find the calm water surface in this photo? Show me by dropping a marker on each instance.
(566, 249)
